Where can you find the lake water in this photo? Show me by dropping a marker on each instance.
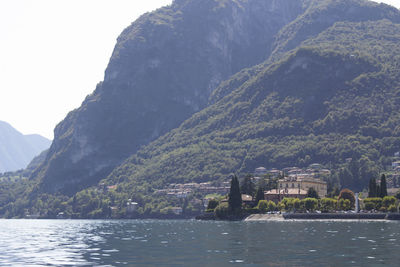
(198, 243)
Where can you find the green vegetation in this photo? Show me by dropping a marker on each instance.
(347, 194)
(388, 203)
(344, 204)
(372, 188)
(312, 193)
(310, 204)
(247, 186)
(373, 203)
(383, 187)
(235, 197)
(266, 206)
(222, 211)
(259, 195)
(328, 204)
(212, 204)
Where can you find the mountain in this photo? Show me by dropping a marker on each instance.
(323, 102)
(166, 65)
(16, 149)
(163, 69)
(198, 90)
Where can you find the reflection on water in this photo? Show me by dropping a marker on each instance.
(194, 243)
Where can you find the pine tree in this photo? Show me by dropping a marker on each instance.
(234, 197)
(383, 191)
(372, 192)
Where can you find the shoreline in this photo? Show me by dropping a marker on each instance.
(324, 216)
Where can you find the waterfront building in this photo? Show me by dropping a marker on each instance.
(303, 182)
(131, 206)
(276, 195)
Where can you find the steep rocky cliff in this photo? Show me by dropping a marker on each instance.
(163, 69)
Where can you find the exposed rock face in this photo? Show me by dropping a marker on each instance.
(163, 69)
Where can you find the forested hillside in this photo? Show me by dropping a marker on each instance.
(323, 103)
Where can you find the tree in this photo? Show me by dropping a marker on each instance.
(247, 186)
(259, 194)
(222, 211)
(344, 204)
(297, 204)
(289, 203)
(388, 201)
(397, 195)
(369, 205)
(383, 191)
(372, 188)
(263, 205)
(345, 177)
(212, 204)
(310, 204)
(378, 190)
(328, 204)
(373, 203)
(347, 194)
(234, 197)
(392, 208)
(312, 193)
(271, 206)
(334, 192)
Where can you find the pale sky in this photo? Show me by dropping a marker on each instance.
(54, 52)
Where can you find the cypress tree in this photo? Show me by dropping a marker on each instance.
(259, 195)
(383, 191)
(234, 197)
(378, 190)
(372, 192)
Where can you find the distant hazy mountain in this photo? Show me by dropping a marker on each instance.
(16, 149)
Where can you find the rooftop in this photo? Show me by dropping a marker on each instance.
(287, 191)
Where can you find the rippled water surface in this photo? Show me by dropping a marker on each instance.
(197, 243)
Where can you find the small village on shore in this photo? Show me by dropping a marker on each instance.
(302, 194)
(290, 193)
